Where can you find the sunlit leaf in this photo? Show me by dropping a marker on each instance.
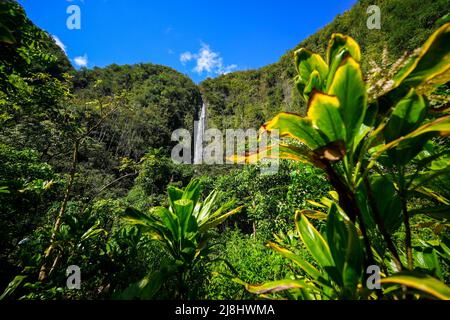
(306, 62)
(296, 127)
(420, 282)
(349, 87)
(340, 47)
(314, 242)
(323, 111)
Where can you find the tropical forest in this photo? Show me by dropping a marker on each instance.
(349, 199)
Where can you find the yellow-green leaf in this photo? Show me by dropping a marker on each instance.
(296, 127)
(433, 60)
(314, 242)
(340, 47)
(275, 286)
(306, 62)
(305, 265)
(323, 111)
(421, 282)
(348, 86)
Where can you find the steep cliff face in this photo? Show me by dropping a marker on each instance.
(247, 99)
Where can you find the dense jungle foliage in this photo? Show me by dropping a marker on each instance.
(86, 176)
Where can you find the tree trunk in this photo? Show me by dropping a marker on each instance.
(58, 221)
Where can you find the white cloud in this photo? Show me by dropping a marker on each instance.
(81, 61)
(207, 61)
(59, 43)
(185, 57)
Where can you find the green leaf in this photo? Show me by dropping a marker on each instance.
(426, 259)
(93, 231)
(430, 67)
(305, 265)
(349, 87)
(306, 62)
(4, 189)
(174, 194)
(420, 282)
(314, 242)
(215, 222)
(183, 210)
(296, 127)
(438, 213)
(314, 84)
(170, 221)
(433, 60)
(339, 48)
(192, 191)
(407, 116)
(323, 111)
(337, 237)
(388, 202)
(12, 286)
(439, 126)
(275, 286)
(346, 249)
(280, 151)
(136, 217)
(206, 207)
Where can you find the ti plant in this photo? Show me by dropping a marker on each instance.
(183, 229)
(377, 154)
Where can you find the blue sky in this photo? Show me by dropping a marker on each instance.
(201, 38)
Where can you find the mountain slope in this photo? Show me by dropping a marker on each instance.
(249, 98)
(159, 100)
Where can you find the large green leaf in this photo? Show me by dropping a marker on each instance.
(305, 265)
(339, 48)
(138, 218)
(207, 206)
(439, 126)
(349, 87)
(192, 191)
(12, 286)
(174, 194)
(279, 285)
(388, 203)
(407, 116)
(431, 66)
(218, 220)
(426, 259)
(346, 249)
(183, 210)
(433, 60)
(170, 221)
(314, 84)
(296, 127)
(421, 282)
(306, 62)
(314, 242)
(323, 111)
(281, 151)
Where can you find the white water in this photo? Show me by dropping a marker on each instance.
(199, 134)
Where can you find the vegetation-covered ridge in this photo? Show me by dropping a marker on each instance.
(247, 99)
(358, 208)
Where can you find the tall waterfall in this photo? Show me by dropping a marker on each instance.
(199, 132)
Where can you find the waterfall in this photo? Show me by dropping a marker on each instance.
(199, 132)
